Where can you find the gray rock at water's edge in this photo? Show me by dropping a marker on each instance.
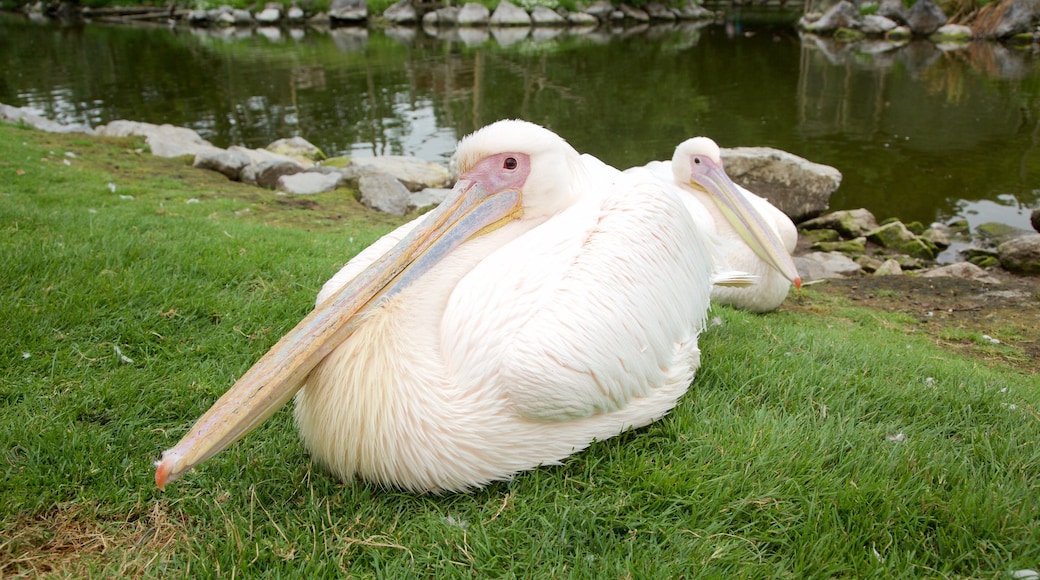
(164, 140)
(925, 17)
(384, 193)
(952, 33)
(447, 16)
(601, 9)
(271, 14)
(850, 223)
(401, 12)
(823, 265)
(509, 14)
(266, 167)
(844, 14)
(348, 11)
(694, 11)
(25, 115)
(963, 270)
(581, 19)
(1021, 255)
(542, 16)
(889, 267)
(633, 13)
(298, 148)
(875, 25)
(295, 14)
(659, 12)
(796, 186)
(411, 171)
(309, 182)
(1034, 219)
(229, 161)
(242, 17)
(473, 14)
(893, 10)
(1016, 17)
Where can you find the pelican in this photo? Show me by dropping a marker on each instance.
(550, 301)
(753, 235)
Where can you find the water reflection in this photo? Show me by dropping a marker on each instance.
(919, 131)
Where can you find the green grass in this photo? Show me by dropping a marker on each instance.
(780, 461)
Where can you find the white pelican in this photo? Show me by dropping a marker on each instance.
(549, 302)
(753, 235)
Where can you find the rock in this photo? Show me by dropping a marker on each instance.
(298, 148)
(1021, 255)
(198, 18)
(401, 12)
(384, 193)
(844, 14)
(659, 12)
(997, 233)
(893, 10)
(348, 11)
(25, 115)
(408, 170)
(164, 140)
(473, 14)
(1007, 18)
(601, 9)
(694, 11)
(850, 223)
(230, 162)
(899, 33)
(854, 247)
(266, 167)
(959, 227)
(796, 186)
(242, 17)
(542, 16)
(428, 197)
(632, 13)
(895, 236)
(925, 17)
(870, 263)
(295, 13)
(889, 268)
(1034, 219)
(582, 19)
(447, 16)
(309, 182)
(271, 14)
(937, 237)
(820, 235)
(951, 33)
(509, 14)
(876, 25)
(822, 265)
(963, 270)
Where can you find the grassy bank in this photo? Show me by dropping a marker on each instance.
(840, 443)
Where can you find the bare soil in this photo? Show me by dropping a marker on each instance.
(964, 315)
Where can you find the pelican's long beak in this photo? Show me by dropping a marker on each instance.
(470, 210)
(744, 218)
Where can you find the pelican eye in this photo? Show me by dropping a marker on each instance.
(510, 163)
(697, 160)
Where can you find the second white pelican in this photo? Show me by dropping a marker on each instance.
(549, 302)
(752, 235)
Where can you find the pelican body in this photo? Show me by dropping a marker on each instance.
(751, 235)
(550, 301)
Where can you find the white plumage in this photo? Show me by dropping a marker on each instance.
(701, 155)
(524, 343)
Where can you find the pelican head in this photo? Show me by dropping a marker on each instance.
(697, 162)
(496, 186)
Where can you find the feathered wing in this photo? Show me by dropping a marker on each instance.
(605, 315)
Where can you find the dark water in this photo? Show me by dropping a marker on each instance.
(918, 132)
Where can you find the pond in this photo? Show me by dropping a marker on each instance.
(920, 132)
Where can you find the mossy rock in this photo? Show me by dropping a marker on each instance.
(998, 233)
(853, 247)
(823, 235)
(337, 162)
(916, 227)
(917, 248)
(959, 227)
(985, 261)
(899, 33)
(848, 34)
